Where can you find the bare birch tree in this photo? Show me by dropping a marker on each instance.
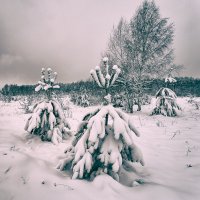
(143, 49)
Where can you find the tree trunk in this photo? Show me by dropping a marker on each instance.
(106, 120)
(139, 106)
(129, 101)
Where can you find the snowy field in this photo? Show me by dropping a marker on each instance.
(170, 146)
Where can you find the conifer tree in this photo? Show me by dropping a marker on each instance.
(104, 142)
(166, 100)
(48, 119)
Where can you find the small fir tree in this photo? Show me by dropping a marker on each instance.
(48, 119)
(166, 103)
(166, 99)
(103, 143)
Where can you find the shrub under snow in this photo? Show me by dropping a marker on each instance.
(166, 103)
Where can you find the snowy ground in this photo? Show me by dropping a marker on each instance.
(171, 149)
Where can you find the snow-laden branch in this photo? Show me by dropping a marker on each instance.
(47, 80)
(107, 80)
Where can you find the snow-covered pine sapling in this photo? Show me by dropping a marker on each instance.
(166, 103)
(48, 119)
(104, 142)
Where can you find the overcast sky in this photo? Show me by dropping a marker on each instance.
(70, 35)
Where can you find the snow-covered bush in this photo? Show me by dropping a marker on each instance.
(26, 103)
(48, 119)
(65, 105)
(146, 99)
(166, 103)
(104, 141)
(118, 101)
(194, 102)
(80, 99)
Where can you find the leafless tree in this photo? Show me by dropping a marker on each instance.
(143, 49)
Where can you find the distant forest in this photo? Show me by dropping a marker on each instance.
(183, 87)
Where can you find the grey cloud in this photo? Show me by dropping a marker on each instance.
(69, 35)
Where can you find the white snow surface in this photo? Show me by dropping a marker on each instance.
(170, 146)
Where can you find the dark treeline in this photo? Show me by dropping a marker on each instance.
(183, 87)
(14, 90)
